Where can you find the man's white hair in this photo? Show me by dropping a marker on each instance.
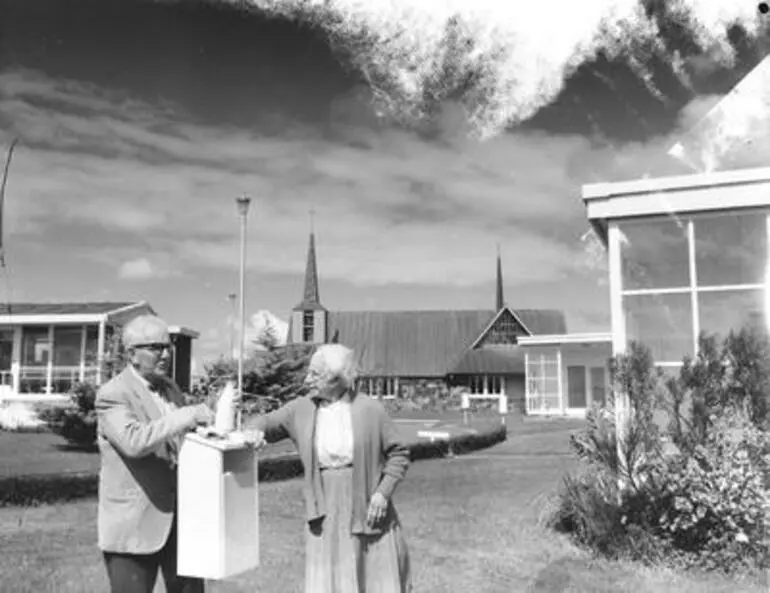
(335, 363)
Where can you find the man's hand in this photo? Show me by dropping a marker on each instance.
(378, 507)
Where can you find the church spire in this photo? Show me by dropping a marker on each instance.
(500, 301)
(311, 299)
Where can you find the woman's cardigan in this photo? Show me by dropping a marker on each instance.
(380, 457)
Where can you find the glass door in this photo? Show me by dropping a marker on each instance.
(576, 387)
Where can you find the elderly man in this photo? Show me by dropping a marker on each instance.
(142, 420)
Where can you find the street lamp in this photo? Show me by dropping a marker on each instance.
(243, 210)
(231, 298)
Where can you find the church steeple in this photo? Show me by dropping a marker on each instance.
(311, 299)
(500, 300)
(309, 317)
(311, 294)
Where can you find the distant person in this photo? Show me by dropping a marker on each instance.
(142, 420)
(353, 458)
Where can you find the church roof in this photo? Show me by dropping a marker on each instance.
(426, 343)
(481, 361)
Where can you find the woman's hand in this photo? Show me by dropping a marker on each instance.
(378, 506)
(255, 438)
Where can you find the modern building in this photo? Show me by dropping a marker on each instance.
(686, 254)
(47, 347)
(479, 351)
(567, 373)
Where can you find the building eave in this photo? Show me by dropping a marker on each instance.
(565, 339)
(131, 307)
(43, 319)
(701, 192)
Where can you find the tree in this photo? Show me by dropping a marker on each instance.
(270, 379)
(268, 338)
(282, 372)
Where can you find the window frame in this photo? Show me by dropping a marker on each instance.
(693, 289)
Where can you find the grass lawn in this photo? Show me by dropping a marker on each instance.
(471, 523)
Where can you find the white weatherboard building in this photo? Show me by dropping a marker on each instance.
(47, 347)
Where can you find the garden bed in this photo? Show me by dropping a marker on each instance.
(78, 478)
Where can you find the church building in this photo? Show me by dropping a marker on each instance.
(476, 349)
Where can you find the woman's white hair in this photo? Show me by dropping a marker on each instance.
(334, 363)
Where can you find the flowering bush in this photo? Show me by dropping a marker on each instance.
(719, 511)
(703, 502)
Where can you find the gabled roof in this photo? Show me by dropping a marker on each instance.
(507, 359)
(504, 311)
(93, 308)
(407, 343)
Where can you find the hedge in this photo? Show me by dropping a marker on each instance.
(35, 490)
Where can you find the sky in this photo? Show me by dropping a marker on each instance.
(420, 146)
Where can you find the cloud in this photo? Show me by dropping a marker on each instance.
(392, 207)
(137, 269)
(732, 132)
(264, 321)
(506, 62)
(255, 327)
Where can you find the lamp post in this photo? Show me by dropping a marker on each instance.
(231, 298)
(243, 210)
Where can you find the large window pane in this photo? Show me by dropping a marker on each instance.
(654, 254)
(35, 346)
(662, 322)
(92, 345)
(723, 311)
(731, 249)
(66, 346)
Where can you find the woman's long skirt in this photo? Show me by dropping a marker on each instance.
(337, 561)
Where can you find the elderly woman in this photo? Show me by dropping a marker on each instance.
(353, 459)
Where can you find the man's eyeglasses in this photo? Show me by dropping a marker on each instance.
(156, 347)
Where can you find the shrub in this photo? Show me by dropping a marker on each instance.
(612, 505)
(75, 422)
(719, 511)
(704, 504)
(734, 374)
(632, 455)
(607, 520)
